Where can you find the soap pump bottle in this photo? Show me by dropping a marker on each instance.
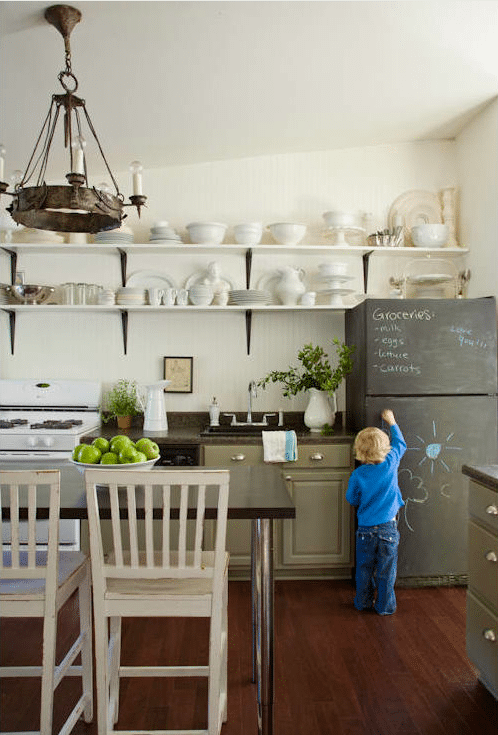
(214, 413)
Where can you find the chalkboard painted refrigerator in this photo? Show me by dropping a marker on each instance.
(434, 363)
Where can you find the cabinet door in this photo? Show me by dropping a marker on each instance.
(320, 535)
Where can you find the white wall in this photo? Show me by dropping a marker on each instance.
(297, 187)
(477, 166)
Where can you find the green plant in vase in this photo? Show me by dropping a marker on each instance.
(122, 402)
(316, 375)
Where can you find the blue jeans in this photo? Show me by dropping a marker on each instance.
(376, 562)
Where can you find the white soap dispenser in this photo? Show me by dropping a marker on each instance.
(214, 413)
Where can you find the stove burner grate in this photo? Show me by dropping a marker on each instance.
(4, 424)
(57, 425)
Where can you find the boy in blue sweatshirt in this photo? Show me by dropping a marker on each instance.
(373, 490)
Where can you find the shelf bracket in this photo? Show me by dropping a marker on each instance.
(366, 261)
(124, 264)
(248, 268)
(12, 328)
(13, 264)
(124, 326)
(248, 330)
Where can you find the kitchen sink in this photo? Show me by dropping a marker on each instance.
(239, 430)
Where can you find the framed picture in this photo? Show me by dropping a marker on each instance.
(179, 371)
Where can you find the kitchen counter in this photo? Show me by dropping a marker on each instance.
(487, 475)
(186, 428)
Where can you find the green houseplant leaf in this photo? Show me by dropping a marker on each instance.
(122, 400)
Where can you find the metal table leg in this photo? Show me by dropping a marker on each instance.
(263, 630)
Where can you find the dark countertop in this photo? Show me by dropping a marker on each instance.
(185, 429)
(485, 474)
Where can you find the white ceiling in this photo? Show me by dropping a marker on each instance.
(185, 82)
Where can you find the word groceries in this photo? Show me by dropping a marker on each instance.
(391, 341)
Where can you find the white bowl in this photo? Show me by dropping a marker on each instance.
(333, 268)
(430, 236)
(343, 219)
(287, 233)
(201, 294)
(206, 233)
(248, 233)
(82, 466)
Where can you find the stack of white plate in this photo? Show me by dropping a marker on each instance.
(121, 236)
(160, 233)
(248, 297)
(127, 296)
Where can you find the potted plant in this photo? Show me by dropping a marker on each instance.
(122, 402)
(316, 376)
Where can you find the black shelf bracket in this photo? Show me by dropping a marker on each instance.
(13, 264)
(12, 328)
(124, 326)
(248, 267)
(366, 261)
(123, 256)
(248, 329)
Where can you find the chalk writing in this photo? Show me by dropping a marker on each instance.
(465, 338)
(392, 316)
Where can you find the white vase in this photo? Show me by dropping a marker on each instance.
(319, 410)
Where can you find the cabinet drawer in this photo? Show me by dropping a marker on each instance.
(227, 455)
(482, 639)
(322, 455)
(483, 504)
(483, 563)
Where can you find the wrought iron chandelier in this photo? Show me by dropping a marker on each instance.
(75, 207)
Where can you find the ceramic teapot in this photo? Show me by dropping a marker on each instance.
(289, 287)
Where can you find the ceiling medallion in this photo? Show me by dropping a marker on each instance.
(75, 207)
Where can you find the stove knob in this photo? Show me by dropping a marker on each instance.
(48, 441)
(32, 441)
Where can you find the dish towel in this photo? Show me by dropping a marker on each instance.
(279, 446)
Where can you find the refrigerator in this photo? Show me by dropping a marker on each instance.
(434, 363)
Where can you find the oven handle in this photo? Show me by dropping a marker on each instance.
(33, 456)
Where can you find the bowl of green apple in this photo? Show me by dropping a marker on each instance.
(117, 453)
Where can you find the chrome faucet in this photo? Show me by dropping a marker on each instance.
(252, 393)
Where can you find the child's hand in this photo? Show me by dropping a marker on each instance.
(388, 416)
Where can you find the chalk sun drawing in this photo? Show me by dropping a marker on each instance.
(433, 448)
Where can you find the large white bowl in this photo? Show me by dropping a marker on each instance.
(248, 233)
(206, 233)
(343, 219)
(430, 236)
(287, 233)
(201, 294)
(82, 466)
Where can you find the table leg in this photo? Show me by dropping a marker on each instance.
(263, 604)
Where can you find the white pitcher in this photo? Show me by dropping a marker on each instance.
(290, 287)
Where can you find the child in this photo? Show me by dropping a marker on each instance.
(373, 490)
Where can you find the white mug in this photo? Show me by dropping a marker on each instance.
(169, 296)
(155, 295)
(182, 297)
(308, 298)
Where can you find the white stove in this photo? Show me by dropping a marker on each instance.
(45, 419)
(42, 421)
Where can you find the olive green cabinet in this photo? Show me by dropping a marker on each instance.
(318, 542)
(482, 593)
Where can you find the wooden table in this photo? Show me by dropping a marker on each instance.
(256, 493)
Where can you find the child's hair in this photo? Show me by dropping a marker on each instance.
(371, 445)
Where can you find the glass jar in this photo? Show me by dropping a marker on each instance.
(68, 293)
(80, 293)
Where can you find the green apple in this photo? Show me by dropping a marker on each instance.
(76, 451)
(139, 457)
(109, 458)
(128, 455)
(101, 443)
(148, 447)
(119, 442)
(89, 454)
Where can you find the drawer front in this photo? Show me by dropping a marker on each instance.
(322, 455)
(229, 455)
(483, 563)
(482, 639)
(483, 504)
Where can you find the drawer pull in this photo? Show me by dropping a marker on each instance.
(238, 457)
(491, 556)
(492, 510)
(490, 635)
(317, 457)
(288, 478)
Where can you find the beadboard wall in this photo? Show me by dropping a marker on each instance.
(297, 187)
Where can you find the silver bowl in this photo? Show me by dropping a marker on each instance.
(31, 293)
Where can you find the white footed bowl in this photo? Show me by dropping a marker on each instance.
(287, 233)
(248, 233)
(206, 233)
(430, 236)
(343, 219)
(333, 268)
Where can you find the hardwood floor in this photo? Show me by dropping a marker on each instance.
(337, 671)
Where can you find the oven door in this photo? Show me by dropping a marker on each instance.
(69, 530)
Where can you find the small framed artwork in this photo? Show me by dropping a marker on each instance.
(179, 371)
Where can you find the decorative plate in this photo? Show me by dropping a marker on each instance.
(415, 207)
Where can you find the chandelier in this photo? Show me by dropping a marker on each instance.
(75, 206)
